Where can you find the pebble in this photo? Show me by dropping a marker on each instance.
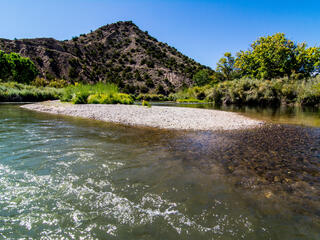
(156, 116)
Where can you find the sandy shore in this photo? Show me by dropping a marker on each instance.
(156, 116)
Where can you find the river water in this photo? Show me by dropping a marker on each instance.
(69, 178)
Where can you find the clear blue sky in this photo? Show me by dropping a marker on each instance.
(201, 29)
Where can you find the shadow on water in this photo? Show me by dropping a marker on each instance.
(63, 177)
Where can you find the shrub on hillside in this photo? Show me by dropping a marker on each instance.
(55, 83)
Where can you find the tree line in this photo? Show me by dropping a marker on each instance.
(267, 58)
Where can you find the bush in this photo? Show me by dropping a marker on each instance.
(202, 78)
(40, 82)
(95, 94)
(80, 97)
(55, 83)
(58, 83)
(15, 68)
(94, 99)
(199, 93)
(309, 94)
(121, 98)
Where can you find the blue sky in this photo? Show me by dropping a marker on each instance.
(201, 29)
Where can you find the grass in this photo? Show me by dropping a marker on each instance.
(95, 94)
(145, 103)
(246, 91)
(194, 94)
(17, 92)
(268, 92)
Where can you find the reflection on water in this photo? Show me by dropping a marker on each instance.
(63, 178)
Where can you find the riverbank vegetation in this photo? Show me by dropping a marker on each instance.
(95, 94)
(16, 77)
(18, 92)
(20, 83)
(269, 58)
(256, 92)
(273, 71)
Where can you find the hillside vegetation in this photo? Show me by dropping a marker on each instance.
(118, 53)
(131, 65)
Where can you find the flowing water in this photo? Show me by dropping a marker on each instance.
(67, 178)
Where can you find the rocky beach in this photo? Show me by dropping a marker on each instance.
(155, 116)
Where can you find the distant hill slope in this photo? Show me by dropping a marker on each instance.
(119, 53)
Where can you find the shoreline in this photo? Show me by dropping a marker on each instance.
(178, 118)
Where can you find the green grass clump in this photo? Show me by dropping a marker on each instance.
(146, 103)
(95, 94)
(78, 92)
(17, 92)
(99, 98)
(94, 99)
(122, 98)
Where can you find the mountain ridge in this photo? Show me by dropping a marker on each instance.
(119, 52)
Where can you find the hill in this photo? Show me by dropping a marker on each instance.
(120, 53)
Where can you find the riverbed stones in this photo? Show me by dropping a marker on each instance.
(157, 116)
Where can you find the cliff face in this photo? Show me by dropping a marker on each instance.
(119, 53)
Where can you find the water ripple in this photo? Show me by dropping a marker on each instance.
(76, 179)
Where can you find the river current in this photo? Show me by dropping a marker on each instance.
(69, 178)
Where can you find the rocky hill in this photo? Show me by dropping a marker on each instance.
(119, 53)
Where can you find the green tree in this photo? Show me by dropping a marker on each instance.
(13, 67)
(226, 67)
(276, 56)
(5, 69)
(202, 78)
(307, 60)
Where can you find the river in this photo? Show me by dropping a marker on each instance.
(69, 178)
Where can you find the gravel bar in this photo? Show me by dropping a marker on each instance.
(155, 116)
